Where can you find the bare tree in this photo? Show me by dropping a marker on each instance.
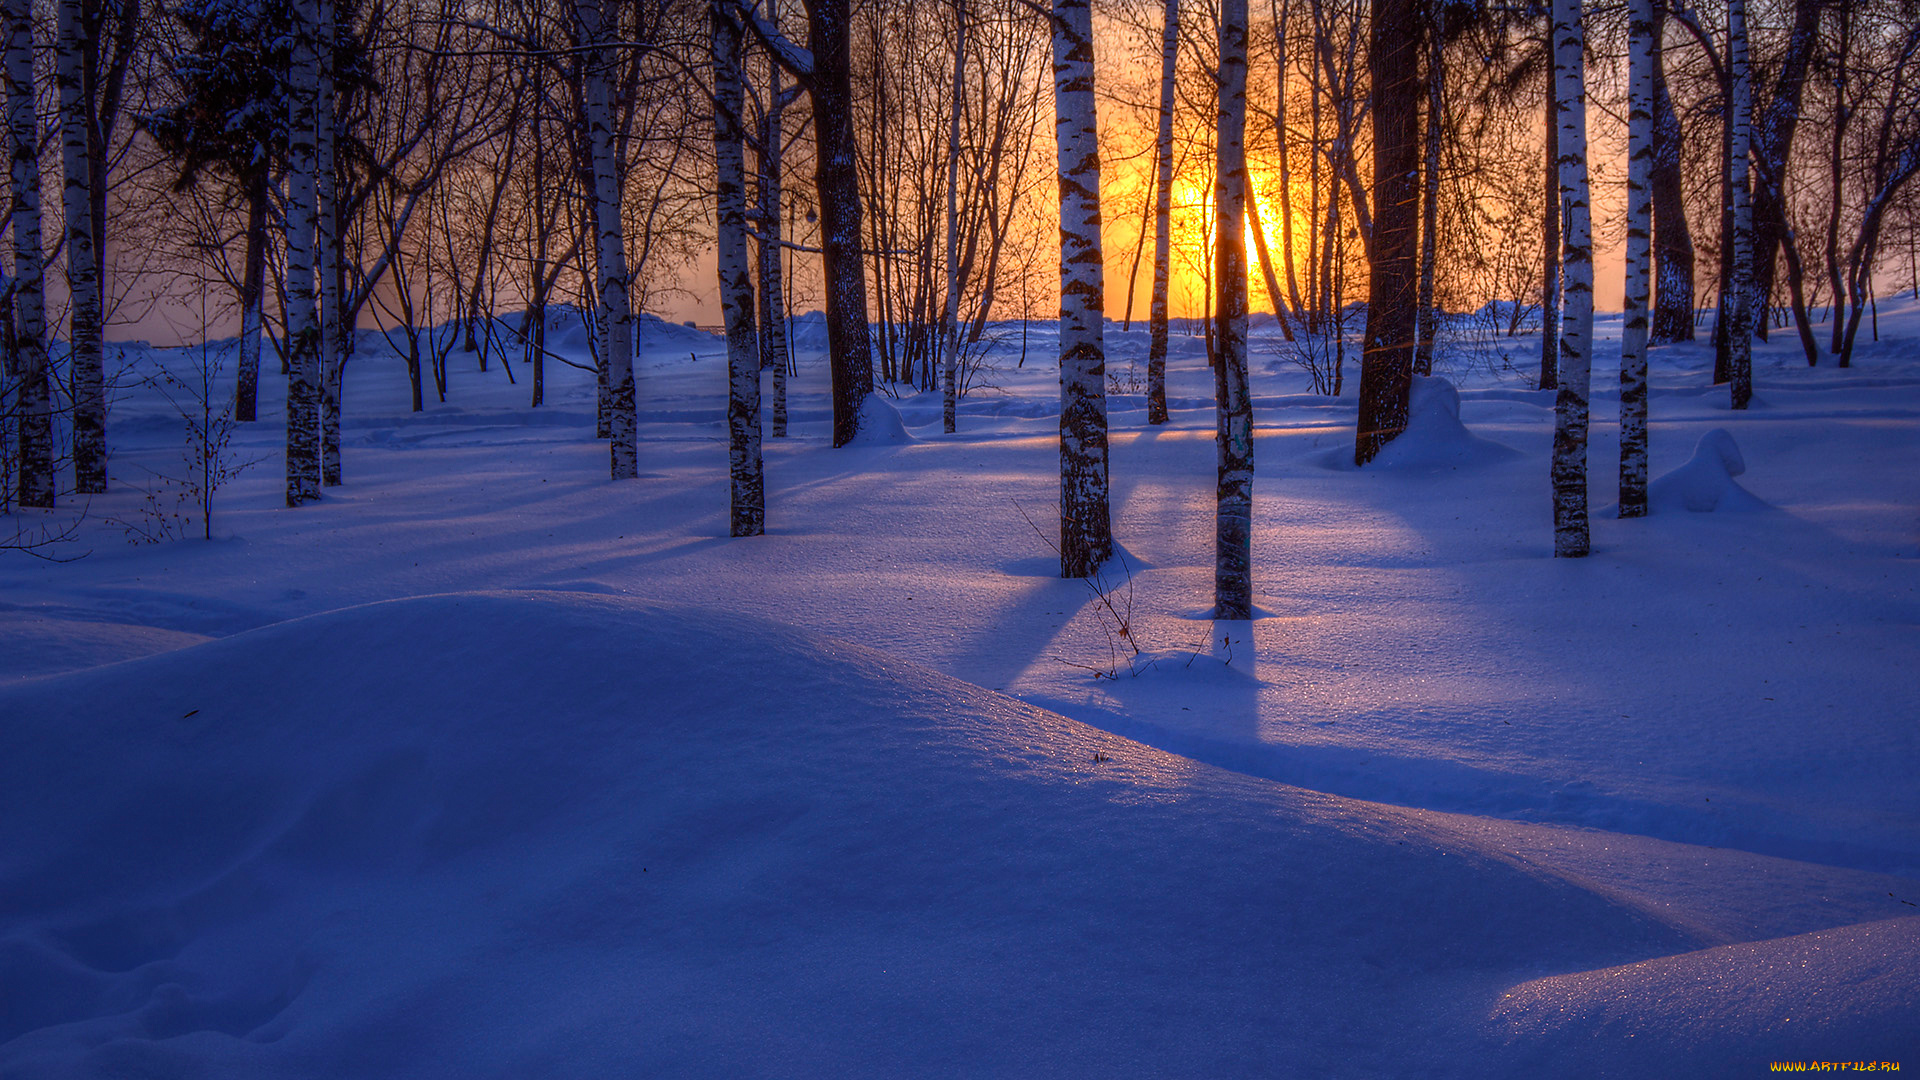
(29, 316)
(1393, 62)
(736, 284)
(1641, 32)
(1233, 438)
(1570, 536)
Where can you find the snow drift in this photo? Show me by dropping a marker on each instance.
(1434, 439)
(567, 835)
(1706, 482)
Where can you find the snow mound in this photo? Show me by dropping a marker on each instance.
(880, 424)
(1434, 439)
(1850, 991)
(1705, 483)
(585, 836)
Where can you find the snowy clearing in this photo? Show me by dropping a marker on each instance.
(486, 765)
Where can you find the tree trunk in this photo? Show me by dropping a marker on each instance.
(837, 180)
(303, 324)
(773, 325)
(1641, 30)
(1430, 197)
(37, 482)
(333, 348)
(83, 264)
(1386, 366)
(1570, 536)
(749, 508)
(610, 240)
(1551, 272)
(1672, 241)
(950, 320)
(1086, 531)
(1162, 220)
(1741, 298)
(253, 281)
(1773, 135)
(1233, 436)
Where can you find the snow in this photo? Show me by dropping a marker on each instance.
(1706, 482)
(486, 765)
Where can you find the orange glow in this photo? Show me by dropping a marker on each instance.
(1123, 189)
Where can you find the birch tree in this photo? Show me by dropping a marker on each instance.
(37, 488)
(1641, 29)
(83, 264)
(1162, 220)
(303, 326)
(1428, 314)
(1233, 438)
(333, 347)
(736, 284)
(1740, 283)
(1086, 529)
(950, 320)
(610, 243)
(772, 294)
(1570, 536)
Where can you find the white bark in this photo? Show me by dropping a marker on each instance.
(1233, 438)
(37, 487)
(1163, 220)
(1086, 530)
(1740, 298)
(610, 242)
(736, 282)
(1570, 533)
(950, 326)
(303, 326)
(333, 343)
(1641, 29)
(83, 268)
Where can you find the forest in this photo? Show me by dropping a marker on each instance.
(959, 537)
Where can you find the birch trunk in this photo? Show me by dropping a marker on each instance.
(1740, 298)
(1552, 273)
(1162, 221)
(1430, 196)
(1233, 437)
(1641, 29)
(950, 322)
(303, 324)
(1386, 371)
(1570, 535)
(610, 241)
(327, 254)
(1086, 531)
(773, 325)
(246, 394)
(736, 283)
(37, 487)
(83, 265)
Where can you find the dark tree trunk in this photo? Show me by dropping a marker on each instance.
(1386, 368)
(1672, 241)
(1773, 145)
(849, 348)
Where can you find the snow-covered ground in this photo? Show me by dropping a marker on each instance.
(488, 766)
